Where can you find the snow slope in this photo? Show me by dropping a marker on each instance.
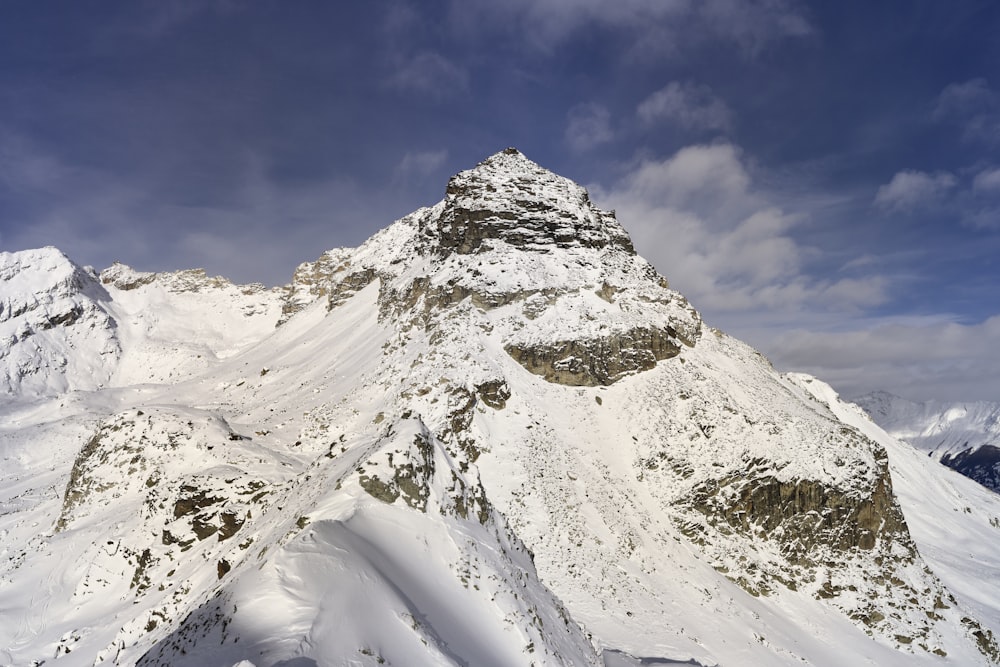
(491, 435)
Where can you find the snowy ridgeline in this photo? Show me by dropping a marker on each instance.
(491, 435)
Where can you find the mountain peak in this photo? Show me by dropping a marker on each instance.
(509, 198)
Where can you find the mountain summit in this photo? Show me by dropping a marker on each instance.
(510, 198)
(490, 435)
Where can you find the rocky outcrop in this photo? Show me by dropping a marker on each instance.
(420, 469)
(817, 533)
(597, 361)
(330, 277)
(348, 286)
(806, 517)
(509, 198)
(125, 278)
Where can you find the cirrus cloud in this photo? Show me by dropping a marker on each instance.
(431, 74)
(655, 28)
(974, 106)
(689, 105)
(909, 189)
(588, 126)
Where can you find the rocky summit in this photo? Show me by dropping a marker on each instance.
(490, 435)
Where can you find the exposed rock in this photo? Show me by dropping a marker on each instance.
(125, 277)
(804, 515)
(412, 470)
(597, 361)
(312, 281)
(494, 393)
(510, 198)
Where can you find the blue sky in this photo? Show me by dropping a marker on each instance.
(820, 179)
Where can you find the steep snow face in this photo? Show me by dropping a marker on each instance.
(963, 436)
(490, 435)
(56, 329)
(709, 493)
(297, 513)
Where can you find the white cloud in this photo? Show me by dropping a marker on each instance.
(429, 74)
(987, 181)
(693, 177)
(973, 105)
(915, 358)
(421, 163)
(691, 106)
(754, 25)
(724, 244)
(966, 98)
(910, 189)
(588, 125)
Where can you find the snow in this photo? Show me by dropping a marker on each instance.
(340, 490)
(938, 427)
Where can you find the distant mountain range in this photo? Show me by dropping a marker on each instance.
(963, 436)
(490, 435)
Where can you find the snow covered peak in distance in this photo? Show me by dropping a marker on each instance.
(490, 435)
(56, 332)
(65, 328)
(964, 436)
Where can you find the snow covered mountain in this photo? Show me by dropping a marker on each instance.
(491, 435)
(963, 436)
(63, 327)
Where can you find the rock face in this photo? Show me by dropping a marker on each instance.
(490, 435)
(600, 361)
(511, 199)
(313, 281)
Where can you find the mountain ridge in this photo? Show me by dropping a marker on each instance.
(496, 394)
